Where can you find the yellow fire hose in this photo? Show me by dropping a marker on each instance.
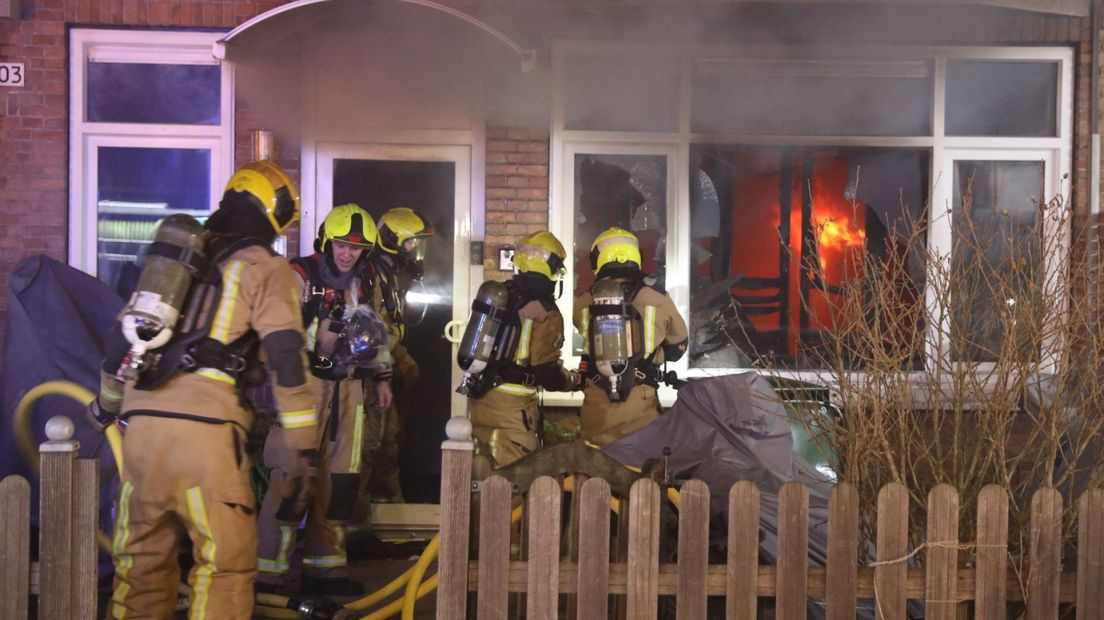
(271, 606)
(22, 429)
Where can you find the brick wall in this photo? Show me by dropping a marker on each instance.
(34, 120)
(517, 190)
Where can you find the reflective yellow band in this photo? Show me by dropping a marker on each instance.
(517, 388)
(586, 330)
(271, 566)
(299, 419)
(358, 440)
(216, 374)
(207, 553)
(325, 561)
(231, 278)
(522, 355)
(649, 329)
(281, 564)
(123, 560)
(108, 393)
(312, 334)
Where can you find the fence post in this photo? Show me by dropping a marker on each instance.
(1045, 554)
(85, 524)
(456, 481)
(1090, 555)
(843, 551)
(742, 574)
(991, 582)
(15, 546)
(791, 591)
(891, 568)
(941, 582)
(58, 458)
(643, 565)
(542, 593)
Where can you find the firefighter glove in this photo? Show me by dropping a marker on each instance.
(98, 417)
(302, 473)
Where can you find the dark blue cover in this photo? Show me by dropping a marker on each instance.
(56, 324)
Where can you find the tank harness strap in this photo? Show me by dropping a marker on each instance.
(483, 307)
(234, 358)
(196, 262)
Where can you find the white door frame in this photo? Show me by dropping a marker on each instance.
(461, 157)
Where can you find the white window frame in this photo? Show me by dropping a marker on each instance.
(1055, 150)
(85, 137)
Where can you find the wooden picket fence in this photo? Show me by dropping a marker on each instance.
(65, 575)
(944, 583)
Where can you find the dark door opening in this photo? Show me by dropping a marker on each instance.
(429, 188)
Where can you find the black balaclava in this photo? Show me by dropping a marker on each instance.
(534, 285)
(621, 271)
(238, 217)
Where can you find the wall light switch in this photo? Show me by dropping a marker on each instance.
(505, 258)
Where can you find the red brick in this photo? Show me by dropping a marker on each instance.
(501, 145)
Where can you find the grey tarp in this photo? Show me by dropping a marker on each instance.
(57, 319)
(731, 428)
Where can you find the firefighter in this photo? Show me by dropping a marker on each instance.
(330, 286)
(403, 239)
(185, 468)
(620, 398)
(505, 418)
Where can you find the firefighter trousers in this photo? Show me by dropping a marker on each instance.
(382, 428)
(184, 477)
(341, 418)
(603, 421)
(504, 423)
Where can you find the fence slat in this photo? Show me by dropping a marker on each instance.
(991, 585)
(452, 562)
(643, 564)
(941, 562)
(85, 523)
(793, 550)
(494, 549)
(1045, 560)
(544, 549)
(594, 549)
(571, 543)
(890, 572)
(843, 551)
(743, 550)
(1090, 555)
(693, 551)
(55, 539)
(15, 546)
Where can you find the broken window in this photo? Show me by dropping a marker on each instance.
(627, 191)
(778, 232)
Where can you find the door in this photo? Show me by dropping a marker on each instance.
(435, 181)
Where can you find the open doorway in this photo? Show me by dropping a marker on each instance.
(430, 187)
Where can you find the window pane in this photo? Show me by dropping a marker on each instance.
(138, 187)
(622, 93)
(760, 216)
(628, 191)
(995, 255)
(1002, 98)
(152, 93)
(812, 98)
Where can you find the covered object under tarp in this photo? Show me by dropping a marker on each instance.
(57, 319)
(730, 428)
